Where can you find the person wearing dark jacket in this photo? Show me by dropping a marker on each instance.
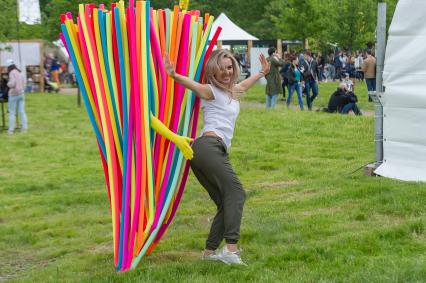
(273, 79)
(283, 72)
(342, 101)
(310, 76)
(4, 89)
(294, 76)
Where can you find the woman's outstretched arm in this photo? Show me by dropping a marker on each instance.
(247, 83)
(201, 90)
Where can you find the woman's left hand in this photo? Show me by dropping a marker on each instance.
(266, 66)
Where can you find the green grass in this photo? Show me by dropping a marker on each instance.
(306, 219)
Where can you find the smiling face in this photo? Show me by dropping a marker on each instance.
(225, 73)
(221, 70)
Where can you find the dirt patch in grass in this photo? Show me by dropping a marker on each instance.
(274, 185)
(105, 247)
(324, 210)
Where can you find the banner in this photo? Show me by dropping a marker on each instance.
(29, 12)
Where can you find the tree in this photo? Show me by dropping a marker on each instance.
(350, 23)
(296, 19)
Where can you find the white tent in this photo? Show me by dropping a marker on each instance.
(404, 101)
(230, 31)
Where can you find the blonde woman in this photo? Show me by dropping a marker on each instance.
(220, 107)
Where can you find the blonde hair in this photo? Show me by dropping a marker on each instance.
(214, 65)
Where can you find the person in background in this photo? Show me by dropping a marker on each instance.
(54, 71)
(284, 71)
(359, 60)
(4, 90)
(344, 61)
(369, 69)
(310, 77)
(330, 67)
(294, 76)
(342, 101)
(273, 79)
(16, 85)
(348, 82)
(337, 65)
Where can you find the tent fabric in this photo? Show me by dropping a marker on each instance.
(404, 100)
(30, 53)
(230, 31)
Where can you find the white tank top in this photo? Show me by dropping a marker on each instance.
(220, 114)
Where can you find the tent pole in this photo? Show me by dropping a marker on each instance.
(381, 49)
(380, 62)
(249, 47)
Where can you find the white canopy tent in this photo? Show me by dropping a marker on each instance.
(404, 100)
(230, 31)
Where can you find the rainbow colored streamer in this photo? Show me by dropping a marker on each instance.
(118, 58)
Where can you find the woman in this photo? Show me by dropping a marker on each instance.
(16, 86)
(294, 78)
(273, 78)
(220, 107)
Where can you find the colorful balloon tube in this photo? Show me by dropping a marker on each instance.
(118, 59)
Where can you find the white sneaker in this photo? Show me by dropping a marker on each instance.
(230, 257)
(214, 256)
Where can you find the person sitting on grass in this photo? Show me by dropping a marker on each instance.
(220, 106)
(343, 101)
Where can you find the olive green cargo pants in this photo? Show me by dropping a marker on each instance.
(213, 170)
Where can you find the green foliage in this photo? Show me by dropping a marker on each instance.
(306, 218)
(350, 23)
(9, 24)
(6, 24)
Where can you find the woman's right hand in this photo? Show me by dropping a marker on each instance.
(168, 65)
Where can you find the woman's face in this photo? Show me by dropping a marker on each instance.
(224, 75)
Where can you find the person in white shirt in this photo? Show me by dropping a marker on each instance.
(348, 82)
(220, 107)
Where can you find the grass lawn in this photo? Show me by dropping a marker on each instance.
(307, 218)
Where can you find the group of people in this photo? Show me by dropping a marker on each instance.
(302, 73)
(294, 74)
(57, 72)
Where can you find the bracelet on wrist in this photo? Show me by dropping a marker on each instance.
(263, 73)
